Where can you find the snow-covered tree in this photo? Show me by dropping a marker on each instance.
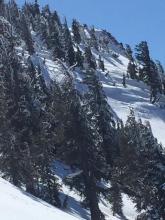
(143, 57)
(89, 59)
(68, 45)
(76, 31)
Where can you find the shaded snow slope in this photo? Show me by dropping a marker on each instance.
(17, 205)
(74, 200)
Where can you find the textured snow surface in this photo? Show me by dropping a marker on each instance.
(74, 200)
(135, 95)
(17, 205)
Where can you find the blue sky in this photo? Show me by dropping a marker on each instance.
(130, 21)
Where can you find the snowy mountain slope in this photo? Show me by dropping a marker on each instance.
(50, 69)
(74, 199)
(17, 205)
(135, 95)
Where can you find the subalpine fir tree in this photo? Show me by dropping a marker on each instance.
(36, 8)
(140, 155)
(11, 154)
(14, 155)
(2, 7)
(33, 15)
(115, 199)
(53, 36)
(131, 70)
(6, 134)
(57, 20)
(79, 58)
(46, 11)
(88, 175)
(129, 53)
(93, 39)
(76, 31)
(156, 86)
(160, 67)
(161, 73)
(13, 13)
(143, 57)
(103, 113)
(83, 141)
(26, 34)
(44, 137)
(101, 64)
(47, 182)
(89, 60)
(68, 45)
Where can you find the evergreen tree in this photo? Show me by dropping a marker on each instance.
(131, 70)
(2, 7)
(89, 60)
(161, 74)
(115, 199)
(45, 140)
(143, 56)
(76, 31)
(93, 39)
(101, 64)
(44, 137)
(156, 86)
(79, 58)
(68, 45)
(17, 116)
(13, 13)
(57, 19)
(26, 34)
(103, 113)
(53, 36)
(83, 141)
(138, 174)
(36, 8)
(129, 53)
(46, 11)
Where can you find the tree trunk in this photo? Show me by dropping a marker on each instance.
(91, 195)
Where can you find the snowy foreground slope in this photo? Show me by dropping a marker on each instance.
(17, 205)
(74, 200)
